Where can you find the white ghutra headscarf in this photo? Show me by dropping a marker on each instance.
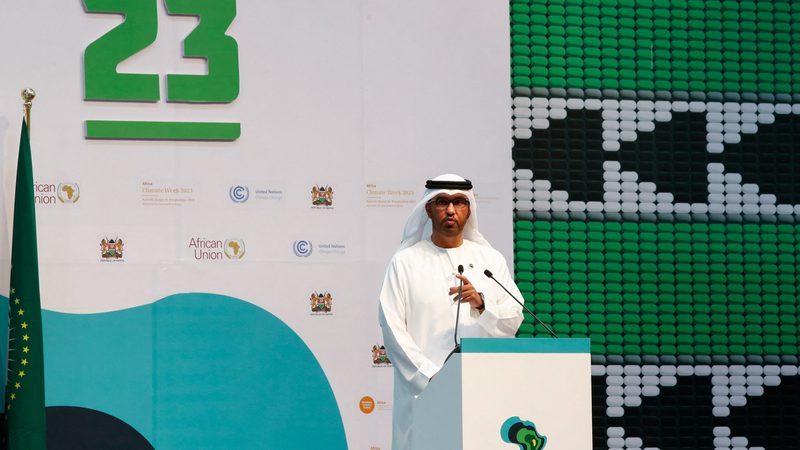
(418, 226)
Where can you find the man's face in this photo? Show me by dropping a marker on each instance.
(448, 213)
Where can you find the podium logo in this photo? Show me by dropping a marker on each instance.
(522, 433)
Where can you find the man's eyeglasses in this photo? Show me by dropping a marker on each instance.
(441, 203)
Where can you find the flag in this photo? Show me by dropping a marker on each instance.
(24, 400)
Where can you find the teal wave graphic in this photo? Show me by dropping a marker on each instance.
(195, 370)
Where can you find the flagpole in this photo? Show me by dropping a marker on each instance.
(27, 96)
(26, 418)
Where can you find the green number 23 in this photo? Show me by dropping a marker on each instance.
(139, 29)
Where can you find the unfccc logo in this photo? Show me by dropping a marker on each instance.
(303, 248)
(239, 194)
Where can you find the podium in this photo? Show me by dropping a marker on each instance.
(498, 392)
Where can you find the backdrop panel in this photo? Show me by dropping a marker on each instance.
(219, 189)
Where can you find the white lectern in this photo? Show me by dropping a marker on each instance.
(498, 392)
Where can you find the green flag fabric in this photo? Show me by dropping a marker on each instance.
(24, 401)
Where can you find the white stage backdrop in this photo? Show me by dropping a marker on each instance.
(235, 308)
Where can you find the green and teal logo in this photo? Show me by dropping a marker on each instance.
(522, 433)
(208, 41)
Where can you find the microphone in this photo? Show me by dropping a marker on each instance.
(457, 348)
(458, 307)
(488, 273)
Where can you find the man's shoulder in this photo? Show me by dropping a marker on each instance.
(411, 252)
(484, 248)
(413, 258)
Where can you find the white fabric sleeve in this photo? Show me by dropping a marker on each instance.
(503, 315)
(405, 355)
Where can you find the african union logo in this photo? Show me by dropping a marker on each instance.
(111, 248)
(523, 433)
(321, 303)
(234, 248)
(68, 192)
(322, 196)
(239, 194)
(303, 248)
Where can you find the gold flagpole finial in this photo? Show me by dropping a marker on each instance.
(28, 95)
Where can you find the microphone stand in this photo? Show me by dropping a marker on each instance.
(457, 348)
(488, 273)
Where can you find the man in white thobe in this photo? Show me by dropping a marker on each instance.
(418, 300)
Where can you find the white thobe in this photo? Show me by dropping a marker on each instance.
(417, 315)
